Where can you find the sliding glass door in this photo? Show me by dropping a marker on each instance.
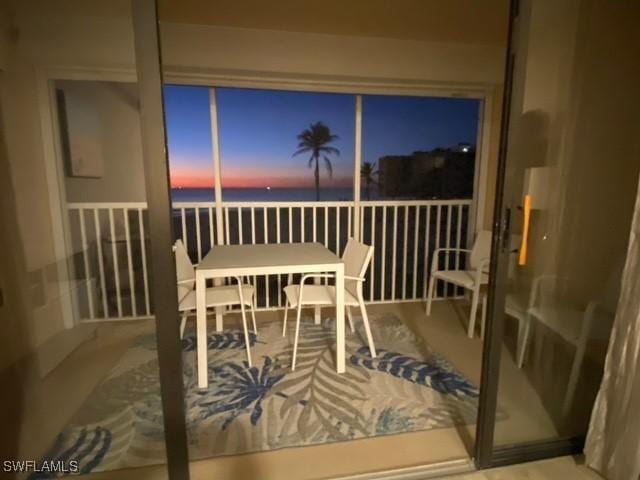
(569, 177)
(90, 358)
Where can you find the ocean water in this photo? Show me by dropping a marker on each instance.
(262, 194)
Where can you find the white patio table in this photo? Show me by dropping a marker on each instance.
(270, 259)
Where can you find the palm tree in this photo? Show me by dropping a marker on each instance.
(367, 173)
(316, 139)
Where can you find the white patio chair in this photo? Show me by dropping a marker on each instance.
(472, 279)
(356, 258)
(223, 296)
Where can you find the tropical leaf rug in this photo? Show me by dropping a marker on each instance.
(407, 387)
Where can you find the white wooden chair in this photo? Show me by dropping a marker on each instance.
(356, 258)
(472, 279)
(241, 294)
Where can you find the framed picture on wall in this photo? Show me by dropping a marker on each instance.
(81, 137)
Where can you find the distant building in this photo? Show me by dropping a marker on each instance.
(439, 173)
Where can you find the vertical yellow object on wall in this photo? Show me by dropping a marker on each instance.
(522, 259)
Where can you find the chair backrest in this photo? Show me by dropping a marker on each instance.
(356, 257)
(185, 273)
(481, 248)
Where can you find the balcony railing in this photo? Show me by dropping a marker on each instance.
(111, 259)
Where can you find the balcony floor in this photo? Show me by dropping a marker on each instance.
(444, 330)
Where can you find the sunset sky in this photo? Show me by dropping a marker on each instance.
(258, 131)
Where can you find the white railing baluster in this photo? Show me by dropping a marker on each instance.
(240, 233)
(266, 240)
(349, 231)
(265, 224)
(290, 225)
(103, 282)
(253, 226)
(226, 226)
(132, 283)
(85, 260)
(278, 242)
(416, 230)
(326, 227)
(253, 242)
(338, 231)
(427, 240)
(438, 243)
(114, 254)
(447, 289)
(404, 251)
(449, 216)
(211, 239)
(198, 234)
(183, 223)
(393, 252)
(315, 226)
(372, 278)
(458, 234)
(326, 235)
(383, 256)
(143, 251)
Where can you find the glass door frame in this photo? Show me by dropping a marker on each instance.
(486, 454)
(162, 282)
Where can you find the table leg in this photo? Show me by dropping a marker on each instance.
(340, 334)
(201, 331)
(219, 310)
(219, 317)
(316, 310)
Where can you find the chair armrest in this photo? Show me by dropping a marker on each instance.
(357, 279)
(191, 280)
(311, 275)
(316, 275)
(438, 251)
(450, 249)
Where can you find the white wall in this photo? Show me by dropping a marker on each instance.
(116, 107)
(235, 49)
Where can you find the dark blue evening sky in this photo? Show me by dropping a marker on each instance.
(258, 131)
(395, 125)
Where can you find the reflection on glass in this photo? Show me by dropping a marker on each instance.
(83, 368)
(570, 222)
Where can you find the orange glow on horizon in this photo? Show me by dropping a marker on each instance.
(242, 178)
(259, 182)
(191, 181)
